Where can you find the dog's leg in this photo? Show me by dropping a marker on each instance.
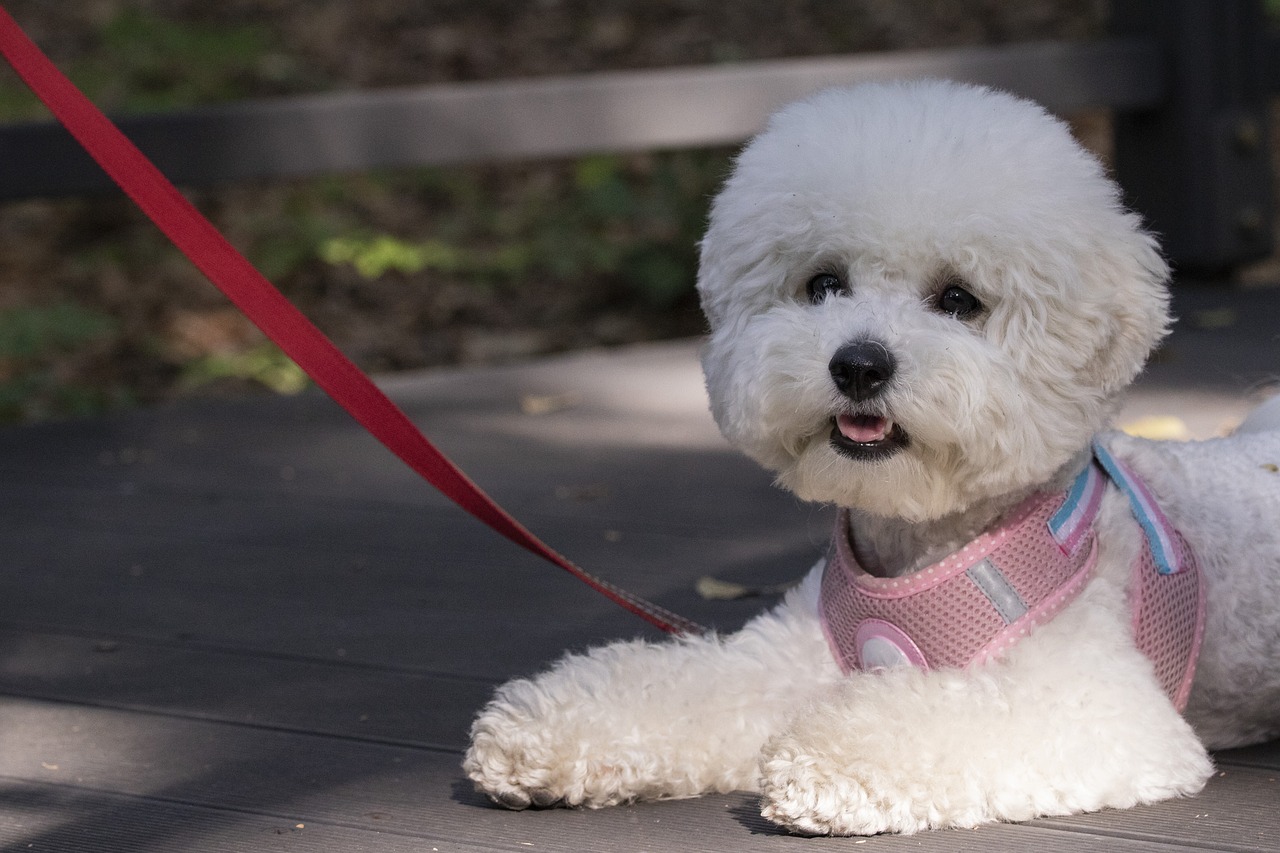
(637, 720)
(1072, 721)
(1264, 418)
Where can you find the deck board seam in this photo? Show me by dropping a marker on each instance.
(1218, 846)
(372, 740)
(23, 628)
(295, 817)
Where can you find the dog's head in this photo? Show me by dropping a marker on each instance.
(921, 296)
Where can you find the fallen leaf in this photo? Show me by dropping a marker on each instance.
(714, 589)
(584, 492)
(547, 404)
(1213, 319)
(1158, 428)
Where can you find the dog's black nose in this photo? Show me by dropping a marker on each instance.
(862, 369)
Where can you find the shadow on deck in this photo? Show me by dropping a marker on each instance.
(242, 625)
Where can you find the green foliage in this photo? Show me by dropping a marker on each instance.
(32, 333)
(34, 342)
(146, 62)
(17, 103)
(264, 364)
(375, 256)
(634, 221)
(612, 231)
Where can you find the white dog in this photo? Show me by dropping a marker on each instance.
(925, 299)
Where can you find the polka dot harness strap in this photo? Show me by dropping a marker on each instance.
(979, 601)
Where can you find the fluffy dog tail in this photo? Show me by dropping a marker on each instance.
(1265, 417)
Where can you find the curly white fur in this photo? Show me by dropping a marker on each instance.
(899, 192)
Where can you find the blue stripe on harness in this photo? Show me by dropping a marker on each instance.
(1153, 522)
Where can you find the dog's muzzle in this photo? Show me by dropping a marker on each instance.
(861, 371)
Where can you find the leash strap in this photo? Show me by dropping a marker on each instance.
(197, 238)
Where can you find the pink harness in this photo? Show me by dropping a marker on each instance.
(976, 603)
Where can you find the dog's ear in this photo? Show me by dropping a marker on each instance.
(1093, 302)
(1128, 267)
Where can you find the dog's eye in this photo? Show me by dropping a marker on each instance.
(823, 285)
(958, 302)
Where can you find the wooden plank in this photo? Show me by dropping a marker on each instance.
(1223, 350)
(145, 760)
(553, 116)
(1264, 756)
(1235, 812)
(404, 587)
(56, 819)
(375, 703)
(305, 696)
(1225, 340)
(235, 768)
(624, 406)
(51, 818)
(217, 684)
(188, 533)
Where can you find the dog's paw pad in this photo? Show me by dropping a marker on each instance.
(543, 798)
(515, 800)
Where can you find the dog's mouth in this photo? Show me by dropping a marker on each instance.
(866, 437)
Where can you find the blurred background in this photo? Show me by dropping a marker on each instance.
(407, 268)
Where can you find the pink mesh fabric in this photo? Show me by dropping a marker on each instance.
(1168, 619)
(947, 616)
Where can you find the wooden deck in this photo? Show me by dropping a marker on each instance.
(244, 626)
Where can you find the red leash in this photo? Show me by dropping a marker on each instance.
(196, 237)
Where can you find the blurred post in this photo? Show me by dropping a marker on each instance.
(1198, 165)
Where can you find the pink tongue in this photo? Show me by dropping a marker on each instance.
(862, 428)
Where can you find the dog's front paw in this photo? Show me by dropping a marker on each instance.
(812, 795)
(527, 752)
(515, 768)
(517, 762)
